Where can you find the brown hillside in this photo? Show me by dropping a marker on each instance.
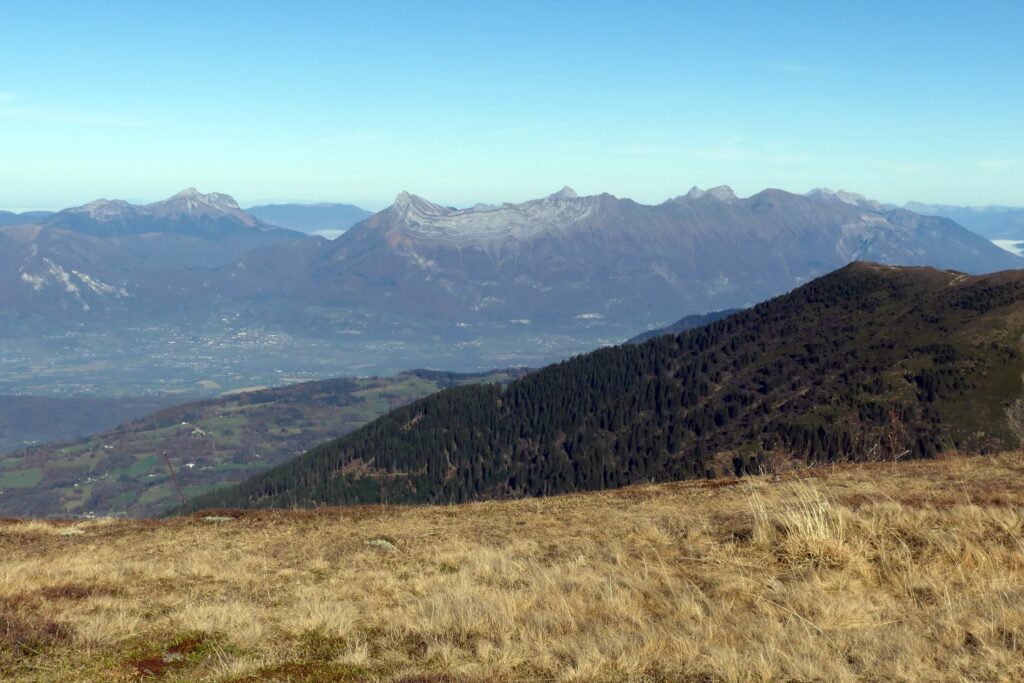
(884, 571)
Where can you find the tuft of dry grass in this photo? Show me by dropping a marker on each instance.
(883, 571)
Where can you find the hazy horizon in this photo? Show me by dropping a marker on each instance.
(245, 203)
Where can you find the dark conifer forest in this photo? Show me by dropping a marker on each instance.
(869, 362)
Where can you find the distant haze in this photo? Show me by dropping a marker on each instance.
(466, 105)
(1002, 223)
(324, 219)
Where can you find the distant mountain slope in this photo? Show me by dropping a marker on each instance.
(612, 263)
(26, 420)
(869, 361)
(189, 212)
(210, 443)
(993, 222)
(686, 323)
(562, 257)
(110, 284)
(103, 255)
(327, 220)
(28, 217)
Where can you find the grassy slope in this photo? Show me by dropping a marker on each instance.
(884, 571)
(226, 440)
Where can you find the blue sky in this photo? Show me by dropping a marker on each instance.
(481, 101)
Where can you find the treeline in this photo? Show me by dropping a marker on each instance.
(867, 362)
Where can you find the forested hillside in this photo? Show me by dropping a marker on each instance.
(867, 362)
(209, 444)
(683, 324)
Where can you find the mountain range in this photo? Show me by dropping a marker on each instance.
(868, 362)
(92, 294)
(994, 222)
(600, 257)
(544, 261)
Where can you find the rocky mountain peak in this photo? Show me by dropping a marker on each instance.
(408, 204)
(422, 219)
(403, 199)
(565, 193)
(190, 199)
(851, 198)
(722, 192)
(103, 208)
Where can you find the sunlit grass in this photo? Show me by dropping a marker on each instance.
(910, 571)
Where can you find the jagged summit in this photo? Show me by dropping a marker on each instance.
(852, 198)
(189, 206)
(696, 217)
(404, 198)
(722, 193)
(102, 208)
(188, 200)
(420, 218)
(565, 193)
(407, 204)
(191, 200)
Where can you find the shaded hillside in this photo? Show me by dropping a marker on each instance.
(683, 324)
(27, 420)
(867, 362)
(209, 443)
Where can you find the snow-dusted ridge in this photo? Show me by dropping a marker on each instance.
(559, 212)
(423, 219)
(722, 193)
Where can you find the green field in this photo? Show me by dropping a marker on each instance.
(20, 478)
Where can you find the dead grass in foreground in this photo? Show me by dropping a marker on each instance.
(910, 571)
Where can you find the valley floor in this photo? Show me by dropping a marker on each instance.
(907, 571)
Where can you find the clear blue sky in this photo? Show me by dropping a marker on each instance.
(487, 101)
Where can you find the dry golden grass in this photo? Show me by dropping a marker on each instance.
(911, 571)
